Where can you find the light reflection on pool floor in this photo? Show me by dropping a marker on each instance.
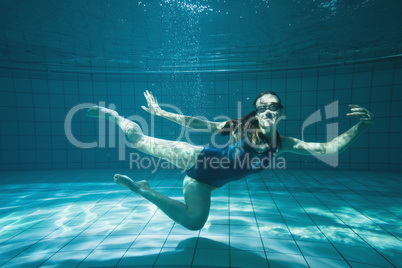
(299, 218)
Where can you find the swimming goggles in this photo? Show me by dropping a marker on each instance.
(272, 107)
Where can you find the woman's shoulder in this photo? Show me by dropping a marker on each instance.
(221, 125)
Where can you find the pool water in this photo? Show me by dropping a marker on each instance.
(59, 205)
(297, 218)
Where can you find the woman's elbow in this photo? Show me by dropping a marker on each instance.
(332, 149)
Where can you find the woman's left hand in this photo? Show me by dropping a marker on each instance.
(363, 114)
(153, 106)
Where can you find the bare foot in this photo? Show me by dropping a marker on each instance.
(97, 111)
(136, 187)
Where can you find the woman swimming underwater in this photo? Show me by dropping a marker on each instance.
(253, 141)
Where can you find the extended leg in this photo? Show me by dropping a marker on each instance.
(192, 214)
(181, 154)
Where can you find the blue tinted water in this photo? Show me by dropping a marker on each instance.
(286, 218)
(59, 204)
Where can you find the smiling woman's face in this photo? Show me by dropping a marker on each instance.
(267, 118)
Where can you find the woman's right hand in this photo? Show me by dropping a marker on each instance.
(153, 106)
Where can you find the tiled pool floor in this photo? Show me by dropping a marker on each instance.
(294, 218)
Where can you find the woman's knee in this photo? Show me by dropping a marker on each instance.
(196, 219)
(196, 224)
(133, 132)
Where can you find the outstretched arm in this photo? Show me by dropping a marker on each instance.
(337, 145)
(187, 121)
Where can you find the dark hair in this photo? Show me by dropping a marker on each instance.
(266, 93)
(248, 122)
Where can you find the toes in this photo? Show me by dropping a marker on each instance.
(90, 111)
(93, 111)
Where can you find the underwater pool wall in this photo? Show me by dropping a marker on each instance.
(34, 104)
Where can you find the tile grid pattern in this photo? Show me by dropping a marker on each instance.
(32, 134)
(279, 218)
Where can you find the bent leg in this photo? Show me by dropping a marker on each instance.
(180, 154)
(192, 214)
